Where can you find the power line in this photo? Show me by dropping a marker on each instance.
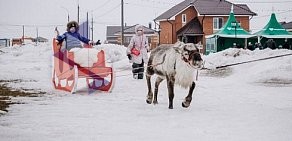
(109, 11)
(156, 2)
(277, 13)
(261, 10)
(105, 23)
(32, 25)
(261, 2)
(101, 6)
(237, 1)
(141, 5)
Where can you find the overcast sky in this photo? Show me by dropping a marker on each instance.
(44, 15)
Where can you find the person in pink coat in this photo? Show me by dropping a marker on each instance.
(137, 52)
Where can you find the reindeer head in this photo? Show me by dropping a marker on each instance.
(190, 54)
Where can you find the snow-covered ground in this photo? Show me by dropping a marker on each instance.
(241, 103)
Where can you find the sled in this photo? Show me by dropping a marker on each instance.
(66, 72)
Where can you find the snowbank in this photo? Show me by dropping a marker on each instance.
(114, 53)
(276, 69)
(85, 57)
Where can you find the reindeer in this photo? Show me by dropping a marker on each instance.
(176, 64)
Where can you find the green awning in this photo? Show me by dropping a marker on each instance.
(231, 29)
(274, 29)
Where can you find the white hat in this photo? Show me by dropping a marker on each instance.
(139, 27)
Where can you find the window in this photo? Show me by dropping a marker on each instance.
(217, 23)
(238, 23)
(211, 46)
(127, 39)
(184, 18)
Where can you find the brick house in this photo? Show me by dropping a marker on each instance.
(192, 20)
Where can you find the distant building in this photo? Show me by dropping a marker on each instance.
(110, 34)
(113, 35)
(4, 42)
(27, 40)
(16, 41)
(40, 39)
(287, 26)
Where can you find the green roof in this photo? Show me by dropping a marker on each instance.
(231, 29)
(274, 29)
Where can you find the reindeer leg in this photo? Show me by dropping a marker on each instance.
(170, 85)
(158, 81)
(150, 93)
(186, 103)
(149, 73)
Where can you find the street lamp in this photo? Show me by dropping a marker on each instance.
(67, 12)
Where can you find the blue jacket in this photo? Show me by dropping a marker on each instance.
(72, 40)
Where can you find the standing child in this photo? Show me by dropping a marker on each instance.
(137, 52)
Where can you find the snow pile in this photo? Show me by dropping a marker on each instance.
(30, 64)
(276, 69)
(85, 57)
(116, 55)
(113, 52)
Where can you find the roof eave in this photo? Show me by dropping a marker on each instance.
(201, 14)
(173, 16)
(162, 20)
(227, 14)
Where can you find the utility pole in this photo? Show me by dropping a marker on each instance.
(122, 22)
(78, 13)
(37, 36)
(87, 25)
(92, 28)
(22, 34)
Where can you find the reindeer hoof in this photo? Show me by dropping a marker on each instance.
(149, 98)
(170, 107)
(148, 101)
(185, 104)
(155, 102)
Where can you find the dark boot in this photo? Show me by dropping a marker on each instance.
(135, 70)
(136, 76)
(140, 75)
(141, 71)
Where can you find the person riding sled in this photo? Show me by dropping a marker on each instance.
(72, 37)
(137, 52)
(73, 44)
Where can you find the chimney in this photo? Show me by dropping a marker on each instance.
(150, 25)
